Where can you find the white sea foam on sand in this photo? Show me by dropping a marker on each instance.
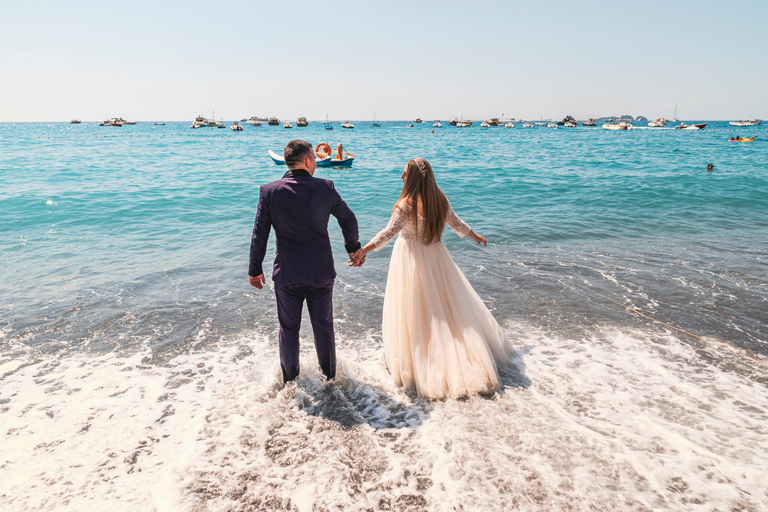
(616, 421)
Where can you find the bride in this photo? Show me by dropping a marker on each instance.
(439, 338)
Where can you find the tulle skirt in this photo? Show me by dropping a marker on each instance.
(439, 338)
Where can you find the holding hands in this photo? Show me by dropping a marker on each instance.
(357, 258)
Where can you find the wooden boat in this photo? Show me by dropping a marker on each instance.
(302, 122)
(684, 126)
(320, 162)
(589, 122)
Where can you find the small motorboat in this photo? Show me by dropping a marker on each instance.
(589, 122)
(747, 122)
(302, 122)
(552, 125)
(287, 125)
(437, 125)
(616, 125)
(347, 125)
(75, 121)
(684, 126)
(658, 122)
(509, 125)
(236, 127)
(417, 120)
(743, 139)
(409, 125)
(158, 124)
(255, 123)
(485, 124)
(527, 125)
(571, 124)
(273, 121)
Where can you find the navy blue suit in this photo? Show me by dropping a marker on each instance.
(299, 207)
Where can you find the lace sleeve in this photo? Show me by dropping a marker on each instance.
(458, 225)
(396, 223)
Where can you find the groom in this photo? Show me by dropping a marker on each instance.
(299, 207)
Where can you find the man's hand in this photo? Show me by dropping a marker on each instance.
(357, 258)
(257, 281)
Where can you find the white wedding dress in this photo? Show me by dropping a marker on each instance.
(439, 338)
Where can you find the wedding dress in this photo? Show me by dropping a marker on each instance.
(439, 338)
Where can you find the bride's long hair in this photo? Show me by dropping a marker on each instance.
(420, 183)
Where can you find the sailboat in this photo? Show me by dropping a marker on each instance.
(327, 123)
(375, 124)
(674, 117)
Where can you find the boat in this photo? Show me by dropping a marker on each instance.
(115, 121)
(571, 124)
(287, 125)
(551, 125)
(254, 123)
(409, 125)
(658, 122)
(527, 125)
(684, 126)
(463, 124)
(437, 124)
(75, 121)
(674, 117)
(347, 125)
(589, 122)
(417, 120)
(618, 125)
(158, 124)
(328, 125)
(221, 125)
(130, 123)
(743, 139)
(236, 127)
(273, 121)
(375, 124)
(485, 124)
(320, 162)
(256, 119)
(302, 122)
(566, 120)
(509, 125)
(747, 122)
(494, 121)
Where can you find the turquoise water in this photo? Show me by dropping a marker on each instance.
(128, 247)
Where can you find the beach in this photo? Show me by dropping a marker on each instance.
(139, 371)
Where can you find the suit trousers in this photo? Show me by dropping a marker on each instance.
(290, 300)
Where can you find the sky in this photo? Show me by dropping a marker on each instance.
(170, 60)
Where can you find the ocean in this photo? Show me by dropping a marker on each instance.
(139, 371)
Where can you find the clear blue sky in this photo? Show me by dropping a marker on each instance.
(169, 60)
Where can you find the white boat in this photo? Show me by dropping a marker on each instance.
(509, 125)
(552, 125)
(485, 124)
(437, 125)
(570, 124)
(287, 125)
(236, 127)
(347, 125)
(747, 122)
(616, 125)
(658, 122)
(527, 125)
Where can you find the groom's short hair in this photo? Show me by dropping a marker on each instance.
(296, 151)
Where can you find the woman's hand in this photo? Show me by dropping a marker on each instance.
(478, 238)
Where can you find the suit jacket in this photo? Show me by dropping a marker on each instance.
(299, 207)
